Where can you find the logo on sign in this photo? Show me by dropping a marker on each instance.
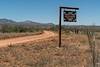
(70, 16)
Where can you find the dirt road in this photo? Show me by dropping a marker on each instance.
(12, 41)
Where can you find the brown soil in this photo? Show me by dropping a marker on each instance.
(25, 39)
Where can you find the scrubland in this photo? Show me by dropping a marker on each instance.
(74, 52)
(14, 35)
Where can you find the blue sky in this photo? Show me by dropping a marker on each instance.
(47, 11)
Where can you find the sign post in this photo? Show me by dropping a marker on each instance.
(69, 16)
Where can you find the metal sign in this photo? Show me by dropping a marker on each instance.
(69, 16)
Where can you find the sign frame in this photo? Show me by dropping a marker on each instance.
(60, 16)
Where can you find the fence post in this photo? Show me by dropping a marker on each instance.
(91, 38)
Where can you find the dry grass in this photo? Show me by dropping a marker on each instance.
(13, 35)
(47, 54)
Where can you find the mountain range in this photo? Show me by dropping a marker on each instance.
(25, 23)
(29, 24)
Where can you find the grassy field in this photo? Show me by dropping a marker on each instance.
(13, 35)
(46, 53)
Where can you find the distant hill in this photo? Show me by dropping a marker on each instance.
(25, 23)
(7, 25)
(6, 21)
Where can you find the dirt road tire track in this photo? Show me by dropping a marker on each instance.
(12, 41)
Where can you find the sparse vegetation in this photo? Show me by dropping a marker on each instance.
(75, 50)
(13, 35)
(46, 53)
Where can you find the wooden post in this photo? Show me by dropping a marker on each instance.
(60, 27)
(91, 38)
